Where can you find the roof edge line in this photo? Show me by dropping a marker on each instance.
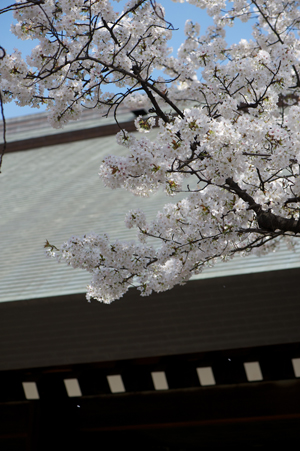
(67, 137)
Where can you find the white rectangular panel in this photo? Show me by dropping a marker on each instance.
(253, 371)
(116, 383)
(72, 387)
(296, 366)
(159, 380)
(206, 376)
(30, 390)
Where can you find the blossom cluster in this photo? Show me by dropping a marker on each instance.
(226, 122)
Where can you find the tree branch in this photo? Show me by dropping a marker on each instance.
(265, 219)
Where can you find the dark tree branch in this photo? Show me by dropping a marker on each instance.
(234, 187)
(292, 200)
(266, 219)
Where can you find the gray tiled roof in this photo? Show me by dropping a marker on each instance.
(53, 193)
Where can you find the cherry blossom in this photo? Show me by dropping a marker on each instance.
(226, 116)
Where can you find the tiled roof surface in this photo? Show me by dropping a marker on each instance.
(53, 193)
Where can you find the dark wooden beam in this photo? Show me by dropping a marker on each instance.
(67, 137)
(251, 402)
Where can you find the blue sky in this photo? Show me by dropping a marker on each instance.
(176, 13)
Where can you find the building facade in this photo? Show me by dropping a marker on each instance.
(211, 364)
